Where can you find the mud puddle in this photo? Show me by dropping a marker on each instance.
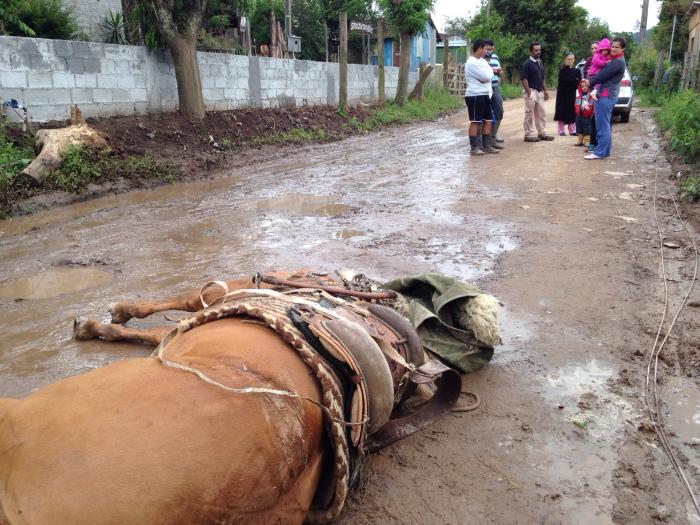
(54, 282)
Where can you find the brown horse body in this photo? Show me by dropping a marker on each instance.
(138, 442)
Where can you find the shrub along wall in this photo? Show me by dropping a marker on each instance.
(47, 76)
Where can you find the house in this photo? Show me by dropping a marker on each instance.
(691, 68)
(91, 13)
(458, 49)
(423, 47)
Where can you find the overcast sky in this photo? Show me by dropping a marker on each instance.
(621, 15)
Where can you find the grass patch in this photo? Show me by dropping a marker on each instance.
(84, 166)
(14, 157)
(680, 117)
(435, 103)
(295, 135)
(509, 91)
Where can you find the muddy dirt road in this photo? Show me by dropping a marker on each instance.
(571, 248)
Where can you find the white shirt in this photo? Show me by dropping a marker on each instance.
(478, 73)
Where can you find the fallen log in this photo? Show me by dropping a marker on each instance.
(52, 143)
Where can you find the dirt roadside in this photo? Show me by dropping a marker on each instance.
(570, 247)
(583, 298)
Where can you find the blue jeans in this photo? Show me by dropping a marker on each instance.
(603, 114)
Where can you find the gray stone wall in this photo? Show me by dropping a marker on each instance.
(90, 13)
(47, 76)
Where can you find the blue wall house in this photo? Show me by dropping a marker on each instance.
(423, 47)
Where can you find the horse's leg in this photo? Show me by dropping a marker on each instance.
(84, 328)
(190, 301)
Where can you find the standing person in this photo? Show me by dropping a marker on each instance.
(496, 98)
(535, 92)
(609, 79)
(584, 114)
(565, 112)
(478, 73)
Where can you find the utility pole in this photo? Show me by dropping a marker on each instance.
(287, 20)
(673, 32)
(643, 23)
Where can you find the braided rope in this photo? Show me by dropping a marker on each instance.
(271, 308)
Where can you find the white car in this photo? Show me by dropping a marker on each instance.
(625, 97)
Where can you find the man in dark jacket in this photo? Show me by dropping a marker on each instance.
(535, 92)
(609, 79)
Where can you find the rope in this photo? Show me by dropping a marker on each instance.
(651, 386)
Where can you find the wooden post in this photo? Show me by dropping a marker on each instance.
(343, 60)
(273, 35)
(380, 58)
(445, 60)
(325, 37)
(658, 73)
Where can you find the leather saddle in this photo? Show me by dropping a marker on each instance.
(385, 356)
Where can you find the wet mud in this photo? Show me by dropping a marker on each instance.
(569, 247)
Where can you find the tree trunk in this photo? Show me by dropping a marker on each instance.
(343, 59)
(402, 86)
(182, 41)
(380, 58)
(189, 83)
(445, 61)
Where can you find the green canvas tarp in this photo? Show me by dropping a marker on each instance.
(435, 302)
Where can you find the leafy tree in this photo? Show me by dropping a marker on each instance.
(661, 37)
(457, 26)
(179, 23)
(546, 21)
(582, 35)
(307, 21)
(485, 25)
(408, 18)
(260, 29)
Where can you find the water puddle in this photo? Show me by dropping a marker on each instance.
(683, 402)
(581, 393)
(304, 204)
(54, 282)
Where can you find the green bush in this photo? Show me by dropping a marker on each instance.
(691, 187)
(46, 18)
(13, 159)
(680, 116)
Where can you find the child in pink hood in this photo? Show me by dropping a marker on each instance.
(600, 58)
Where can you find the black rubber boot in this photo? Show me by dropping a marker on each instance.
(488, 144)
(475, 146)
(494, 132)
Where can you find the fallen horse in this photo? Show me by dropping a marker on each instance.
(259, 408)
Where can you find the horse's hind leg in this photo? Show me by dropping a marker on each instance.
(84, 328)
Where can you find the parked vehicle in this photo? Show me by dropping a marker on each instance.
(625, 98)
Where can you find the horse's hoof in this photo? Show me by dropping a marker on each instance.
(118, 316)
(81, 330)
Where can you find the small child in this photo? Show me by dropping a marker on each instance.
(600, 58)
(584, 112)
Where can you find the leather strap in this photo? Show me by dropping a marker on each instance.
(449, 386)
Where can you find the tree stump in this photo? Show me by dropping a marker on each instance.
(52, 143)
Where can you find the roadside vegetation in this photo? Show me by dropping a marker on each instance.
(435, 102)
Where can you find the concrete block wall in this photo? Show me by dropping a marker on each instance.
(91, 13)
(47, 76)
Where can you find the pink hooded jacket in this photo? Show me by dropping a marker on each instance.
(599, 60)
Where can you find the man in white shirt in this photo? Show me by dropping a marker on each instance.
(478, 73)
